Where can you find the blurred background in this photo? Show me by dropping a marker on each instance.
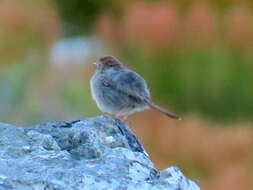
(195, 55)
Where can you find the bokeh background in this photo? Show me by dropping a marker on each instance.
(195, 55)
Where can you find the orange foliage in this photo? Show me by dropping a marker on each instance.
(26, 23)
(151, 24)
(18, 16)
(160, 25)
(109, 29)
(199, 25)
(240, 28)
(217, 157)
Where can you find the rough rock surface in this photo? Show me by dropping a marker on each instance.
(95, 154)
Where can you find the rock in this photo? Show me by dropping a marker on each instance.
(95, 154)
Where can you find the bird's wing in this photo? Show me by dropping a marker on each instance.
(132, 84)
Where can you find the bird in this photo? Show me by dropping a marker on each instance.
(120, 91)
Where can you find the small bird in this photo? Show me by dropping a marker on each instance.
(120, 91)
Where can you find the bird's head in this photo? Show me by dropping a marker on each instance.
(107, 62)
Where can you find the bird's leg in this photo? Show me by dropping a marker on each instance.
(121, 116)
(118, 115)
(124, 117)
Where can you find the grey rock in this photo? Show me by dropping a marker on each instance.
(95, 154)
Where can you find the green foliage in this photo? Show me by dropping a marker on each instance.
(80, 15)
(213, 82)
(76, 97)
(15, 96)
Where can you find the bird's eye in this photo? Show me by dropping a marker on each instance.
(109, 65)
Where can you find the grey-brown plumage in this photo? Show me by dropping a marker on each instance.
(120, 91)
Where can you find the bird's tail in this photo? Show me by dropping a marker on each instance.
(163, 111)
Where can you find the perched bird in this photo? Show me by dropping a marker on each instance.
(120, 91)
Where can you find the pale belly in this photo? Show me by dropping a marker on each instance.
(111, 101)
